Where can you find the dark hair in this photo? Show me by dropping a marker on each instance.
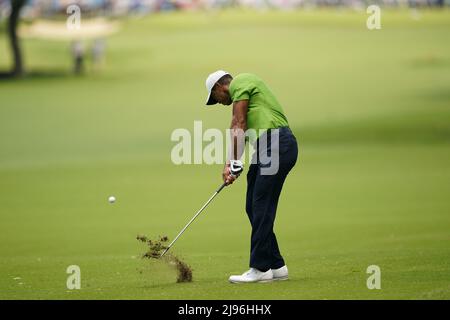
(226, 79)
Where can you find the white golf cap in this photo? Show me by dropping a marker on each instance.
(210, 82)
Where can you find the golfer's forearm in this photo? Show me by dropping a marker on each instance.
(237, 135)
(238, 128)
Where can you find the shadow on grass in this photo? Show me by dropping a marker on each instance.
(38, 75)
(165, 285)
(425, 127)
(223, 282)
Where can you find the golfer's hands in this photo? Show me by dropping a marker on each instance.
(227, 177)
(232, 171)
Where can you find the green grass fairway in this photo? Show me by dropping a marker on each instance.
(371, 110)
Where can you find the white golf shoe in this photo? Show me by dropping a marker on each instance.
(280, 273)
(253, 275)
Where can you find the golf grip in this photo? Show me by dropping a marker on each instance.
(221, 187)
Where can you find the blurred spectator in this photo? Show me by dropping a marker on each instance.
(78, 56)
(98, 53)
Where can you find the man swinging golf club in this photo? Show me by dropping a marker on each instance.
(255, 107)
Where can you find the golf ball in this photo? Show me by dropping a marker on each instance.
(112, 199)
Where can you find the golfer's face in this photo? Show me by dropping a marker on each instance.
(220, 94)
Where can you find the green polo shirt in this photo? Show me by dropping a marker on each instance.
(264, 110)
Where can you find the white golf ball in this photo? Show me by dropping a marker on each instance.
(112, 199)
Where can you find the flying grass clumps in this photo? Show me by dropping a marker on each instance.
(154, 250)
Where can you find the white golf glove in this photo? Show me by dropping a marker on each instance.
(236, 167)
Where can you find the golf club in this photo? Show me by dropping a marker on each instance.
(193, 218)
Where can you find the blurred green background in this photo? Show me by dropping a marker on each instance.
(371, 112)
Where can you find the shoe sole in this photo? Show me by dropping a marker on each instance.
(260, 281)
(281, 278)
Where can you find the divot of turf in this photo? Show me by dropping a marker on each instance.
(154, 251)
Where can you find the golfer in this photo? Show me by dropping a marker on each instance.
(255, 107)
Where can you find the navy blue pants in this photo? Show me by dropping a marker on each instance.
(263, 192)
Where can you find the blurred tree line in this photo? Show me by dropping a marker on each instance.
(13, 9)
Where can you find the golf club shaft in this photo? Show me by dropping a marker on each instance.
(194, 217)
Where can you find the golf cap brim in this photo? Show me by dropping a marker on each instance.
(210, 82)
(210, 100)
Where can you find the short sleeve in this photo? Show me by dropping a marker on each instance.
(240, 89)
